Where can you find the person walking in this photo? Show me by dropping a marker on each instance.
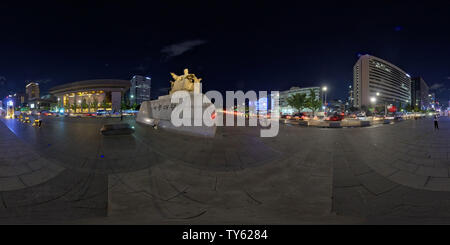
(436, 124)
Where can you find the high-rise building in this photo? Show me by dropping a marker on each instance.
(140, 89)
(432, 101)
(32, 91)
(419, 93)
(284, 95)
(376, 81)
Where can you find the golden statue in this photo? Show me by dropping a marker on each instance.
(184, 82)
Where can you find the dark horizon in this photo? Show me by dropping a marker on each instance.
(232, 46)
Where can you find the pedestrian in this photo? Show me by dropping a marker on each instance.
(436, 124)
(121, 116)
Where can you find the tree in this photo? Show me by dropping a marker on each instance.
(95, 103)
(379, 108)
(364, 108)
(104, 104)
(408, 107)
(84, 104)
(297, 101)
(74, 107)
(124, 106)
(353, 109)
(312, 102)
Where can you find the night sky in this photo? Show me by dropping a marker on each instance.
(257, 45)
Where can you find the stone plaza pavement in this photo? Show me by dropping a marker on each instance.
(68, 173)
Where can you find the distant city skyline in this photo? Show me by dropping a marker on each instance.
(293, 43)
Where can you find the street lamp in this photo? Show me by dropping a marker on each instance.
(324, 93)
(373, 100)
(384, 103)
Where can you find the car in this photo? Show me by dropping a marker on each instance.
(299, 116)
(335, 117)
(101, 112)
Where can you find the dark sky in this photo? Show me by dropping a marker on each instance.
(260, 45)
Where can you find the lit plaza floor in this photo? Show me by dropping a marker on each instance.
(67, 172)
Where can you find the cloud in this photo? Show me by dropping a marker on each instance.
(180, 48)
(436, 86)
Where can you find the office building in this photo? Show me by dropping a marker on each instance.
(419, 93)
(140, 89)
(32, 91)
(91, 95)
(376, 81)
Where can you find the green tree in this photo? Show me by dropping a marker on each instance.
(84, 104)
(408, 108)
(124, 106)
(312, 102)
(379, 109)
(74, 107)
(104, 104)
(353, 109)
(297, 101)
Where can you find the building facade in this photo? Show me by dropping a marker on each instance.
(285, 108)
(419, 93)
(140, 89)
(91, 95)
(376, 81)
(32, 91)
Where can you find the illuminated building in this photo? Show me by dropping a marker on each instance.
(284, 95)
(419, 93)
(374, 77)
(140, 89)
(10, 109)
(91, 95)
(32, 91)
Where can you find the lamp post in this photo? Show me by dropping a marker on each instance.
(324, 94)
(384, 104)
(373, 100)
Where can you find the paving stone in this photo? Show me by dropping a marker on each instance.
(432, 171)
(408, 179)
(405, 166)
(376, 183)
(11, 183)
(437, 183)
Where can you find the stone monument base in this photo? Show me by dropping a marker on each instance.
(158, 113)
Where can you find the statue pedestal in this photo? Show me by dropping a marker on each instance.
(158, 112)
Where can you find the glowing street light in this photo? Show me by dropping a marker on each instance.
(373, 100)
(378, 93)
(324, 94)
